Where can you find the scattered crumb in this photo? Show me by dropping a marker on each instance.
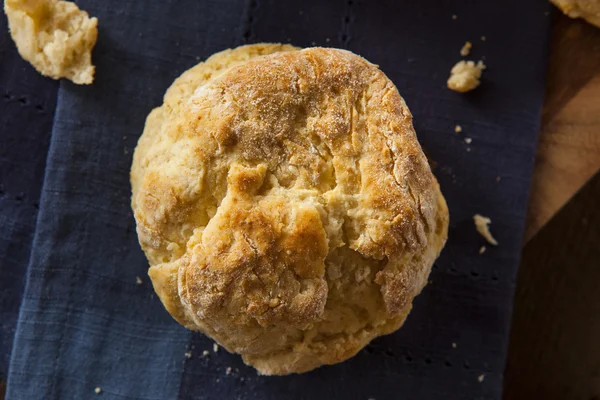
(313, 43)
(327, 40)
(458, 129)
(546, 13)
(215, 347)
(453, 345)
(454, 16)
(138, 280)
(498, 179)
(188, 355)
(217, 380)
(205, 353)
(468, 140)
(56, 37)
(228, 371)
(483, 38)
(466, 49)
(98, 390)
(468, 149)
(481, 223)
(124, 137)
(482, 250)
(481, 377)
(465, 75)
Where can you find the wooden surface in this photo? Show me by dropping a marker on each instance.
(554, 350)
(569, 145)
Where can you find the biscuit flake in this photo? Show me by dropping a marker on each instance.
(482, 226)
(466, 49)
(465, 76)
(56, 37)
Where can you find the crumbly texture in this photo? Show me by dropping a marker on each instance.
(482, 224)
(56, 37)
(465, 76)
(587, 9)
(285, 205)
(466, 49)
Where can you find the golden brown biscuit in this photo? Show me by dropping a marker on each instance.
(285, 205)
(56, 37)
(587, 9)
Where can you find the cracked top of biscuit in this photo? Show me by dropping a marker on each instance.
(285, 204)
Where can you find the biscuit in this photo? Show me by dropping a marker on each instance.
(285, 205)
(587, 9)
(56, 37)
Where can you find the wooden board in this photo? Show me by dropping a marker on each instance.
(569, 146)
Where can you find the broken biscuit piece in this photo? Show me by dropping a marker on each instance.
(482, 225)
(465, 76)
(56, 37)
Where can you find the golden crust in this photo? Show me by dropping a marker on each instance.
(587, 9)
(285, 205)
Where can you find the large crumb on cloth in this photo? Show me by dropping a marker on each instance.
(465, 76)
(482, 225)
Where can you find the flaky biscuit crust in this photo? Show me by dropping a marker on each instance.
(587, 9)
(285, 205)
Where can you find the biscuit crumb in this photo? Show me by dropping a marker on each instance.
(453, 345)
(468, 149)
(465, 76)
(56, 37)
(458, 129)
(498, 179)
(483, 38)
(205, 353)
(215, 347)
(454, 16)
(468, 140)
(217, 380)
(188, 355)
(481, 223)
(482, 250)
(228, 371)
(138, 280)
(466, 49)
(98, 390)
(481, 377)
(327, 40)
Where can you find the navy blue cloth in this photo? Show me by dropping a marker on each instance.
(86, 323)
(27, 102)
